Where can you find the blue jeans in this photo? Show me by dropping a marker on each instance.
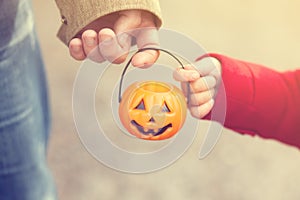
(24, 114)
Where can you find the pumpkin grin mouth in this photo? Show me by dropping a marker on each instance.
(142, 130)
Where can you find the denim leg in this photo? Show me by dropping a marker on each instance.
(24, 112)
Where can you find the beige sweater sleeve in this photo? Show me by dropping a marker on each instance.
(76, 14)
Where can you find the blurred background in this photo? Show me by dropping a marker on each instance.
(240, 167)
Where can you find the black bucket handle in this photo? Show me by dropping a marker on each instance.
(145, 49)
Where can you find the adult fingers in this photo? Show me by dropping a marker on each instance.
(127, 21)
(147, 37)
(76, 49)
(124, 26)
(141, 25)
(90, 45)
(109, 46)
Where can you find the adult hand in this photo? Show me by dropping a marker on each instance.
(109, 38)
(204, 77)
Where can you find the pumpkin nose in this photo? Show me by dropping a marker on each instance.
(151, 119)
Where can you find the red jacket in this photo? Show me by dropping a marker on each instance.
(260, 101)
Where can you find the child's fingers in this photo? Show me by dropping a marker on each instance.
(199, 85)
(208, 66)
(203, 84)
(201, 80)
(201, 111)
(198, 99)
(185, 75)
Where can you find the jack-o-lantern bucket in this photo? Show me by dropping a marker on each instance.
(152, 110)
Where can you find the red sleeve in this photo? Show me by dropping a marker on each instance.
(260, 101)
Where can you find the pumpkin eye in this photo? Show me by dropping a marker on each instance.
(140, 106)
(165, 108)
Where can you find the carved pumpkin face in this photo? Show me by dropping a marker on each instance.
(152, 110)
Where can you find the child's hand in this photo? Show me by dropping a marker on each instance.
(204, 77)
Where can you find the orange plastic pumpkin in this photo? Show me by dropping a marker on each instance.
(152, 110)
